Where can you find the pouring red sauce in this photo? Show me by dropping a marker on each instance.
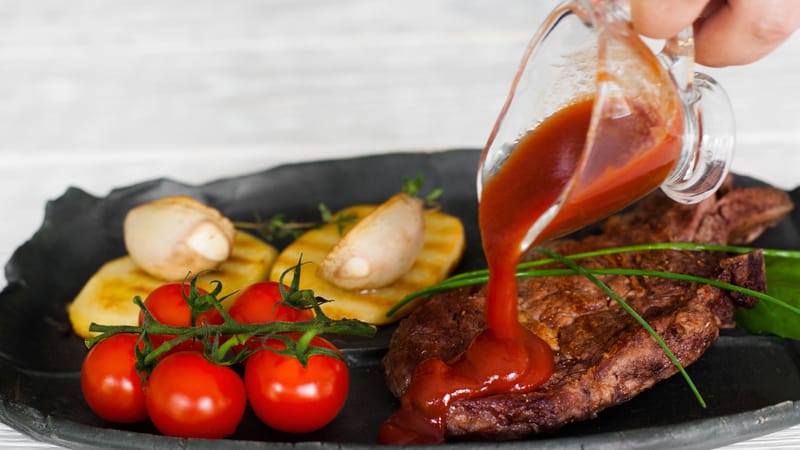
(506, 357)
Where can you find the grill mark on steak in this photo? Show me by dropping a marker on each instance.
(602, 356)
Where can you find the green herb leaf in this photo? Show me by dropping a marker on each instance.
(413, 188)
(783, 281)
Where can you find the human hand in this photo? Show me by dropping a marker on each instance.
(726, 32)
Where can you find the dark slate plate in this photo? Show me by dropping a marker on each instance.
(751, 383)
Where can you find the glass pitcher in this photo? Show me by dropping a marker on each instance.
(653, 121)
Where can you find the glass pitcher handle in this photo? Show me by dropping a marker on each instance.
(709, 126)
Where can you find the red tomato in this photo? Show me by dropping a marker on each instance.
(189, 396)
(167, 305)
(259, 303)
(291, 398)
(109, 381)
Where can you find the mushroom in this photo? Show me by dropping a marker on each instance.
(380, 248)
(172, 236)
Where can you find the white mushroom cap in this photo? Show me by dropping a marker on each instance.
(172, 236)
(380, 248)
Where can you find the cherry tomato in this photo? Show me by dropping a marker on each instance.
(189, 396)
(291, 398)
(167, 305)
(259, 303)
(109, 381)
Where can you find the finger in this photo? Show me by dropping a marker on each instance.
(743, 31)
(661, 19)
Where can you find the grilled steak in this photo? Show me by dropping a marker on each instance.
(602, 356)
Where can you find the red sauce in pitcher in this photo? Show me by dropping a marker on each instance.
(506, 357)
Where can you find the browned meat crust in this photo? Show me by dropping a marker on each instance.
(603, 357)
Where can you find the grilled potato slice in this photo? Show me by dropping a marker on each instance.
(107, 298)
(442, 248)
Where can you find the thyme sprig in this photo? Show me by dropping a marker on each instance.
(218, 341)
(277, 227)
(413, 188)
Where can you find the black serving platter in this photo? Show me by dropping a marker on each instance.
(751, 383)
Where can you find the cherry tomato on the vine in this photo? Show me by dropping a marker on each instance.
(109, 381)
(189, 396)
(291, 398)
(260, 303)
(167, 305)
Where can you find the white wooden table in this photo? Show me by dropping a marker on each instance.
(99, 94)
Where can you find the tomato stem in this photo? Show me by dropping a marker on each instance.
(325, 325)
(220, 350)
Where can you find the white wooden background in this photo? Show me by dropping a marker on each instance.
(105, 93)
